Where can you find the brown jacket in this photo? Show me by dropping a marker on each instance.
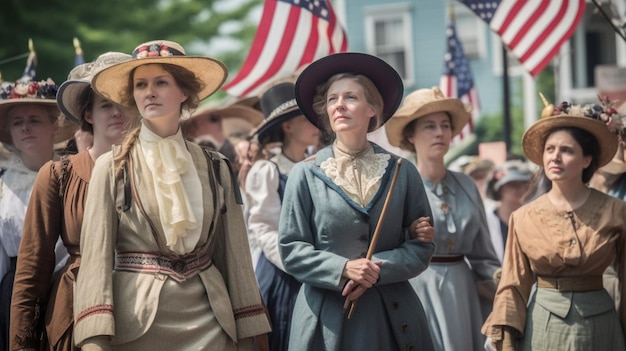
(49, 216)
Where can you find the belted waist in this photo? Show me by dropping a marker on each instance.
(590, 283)
(447, 259)
(179, 269)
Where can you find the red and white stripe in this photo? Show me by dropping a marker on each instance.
(535, 29)
(288, 38)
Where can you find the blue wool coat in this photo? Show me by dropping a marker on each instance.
(321, 228)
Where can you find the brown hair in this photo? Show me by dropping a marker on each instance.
(409, 130)
(372, 96)
(87, 99)
(186, 80)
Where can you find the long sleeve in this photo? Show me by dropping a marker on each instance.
(93, 304)
(264, 211)
(36, 257)
(319, 232)
(509, 307)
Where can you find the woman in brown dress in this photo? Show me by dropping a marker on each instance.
(56, 210)
(563, 241)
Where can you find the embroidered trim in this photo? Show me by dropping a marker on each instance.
(280, 109)
(180, 270)
(249, 311)
(94, 310)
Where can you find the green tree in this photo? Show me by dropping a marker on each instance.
(113, 25)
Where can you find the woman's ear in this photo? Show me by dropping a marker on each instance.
(88, 117)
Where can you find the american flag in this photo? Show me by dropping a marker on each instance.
(457, 80)
(533, 30)
(291, 34)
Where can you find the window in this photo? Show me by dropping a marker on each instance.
(388, 36)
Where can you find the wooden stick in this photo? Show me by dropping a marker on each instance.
(372, 247)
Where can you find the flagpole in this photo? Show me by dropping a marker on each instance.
(506, 108)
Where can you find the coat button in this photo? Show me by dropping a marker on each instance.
(409, 347)
(404, 326)
(395, 305)
(572, 242)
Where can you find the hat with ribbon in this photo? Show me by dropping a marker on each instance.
(385, 78)
(279, 105)
(420, 103)
(111, 82)
(28, 92)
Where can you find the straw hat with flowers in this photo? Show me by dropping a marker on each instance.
(597, 119)
(111, 82)
(39, 93)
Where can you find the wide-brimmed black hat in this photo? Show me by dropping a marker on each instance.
(278, 104)
(385, 78)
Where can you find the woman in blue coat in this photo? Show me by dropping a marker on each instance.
(332, 205)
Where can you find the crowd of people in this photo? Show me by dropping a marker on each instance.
(136, 216)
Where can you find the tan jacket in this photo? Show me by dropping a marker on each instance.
(123, 304)
(547, 242)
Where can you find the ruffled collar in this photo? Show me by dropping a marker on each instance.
(359, 176)
(177, 188)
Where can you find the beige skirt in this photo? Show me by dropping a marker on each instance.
(184, 321)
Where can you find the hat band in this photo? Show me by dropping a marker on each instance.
(282, 108)
(155, 50)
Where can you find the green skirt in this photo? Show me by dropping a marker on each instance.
(572, 321)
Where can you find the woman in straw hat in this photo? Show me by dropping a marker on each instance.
(165, 260)
(29, 127)
(450, 288)
(332, 204)
(56, 211)
(265, 185)
(562, 241)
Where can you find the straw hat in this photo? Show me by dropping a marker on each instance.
(237, 117)
(40, 93)
(111, 82)
(592, 118)
(421, 103)
(279, 105)
(384, 77)
(79, 79)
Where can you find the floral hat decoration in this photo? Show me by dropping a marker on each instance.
(24, 92)
(110, 83)
(599, 119)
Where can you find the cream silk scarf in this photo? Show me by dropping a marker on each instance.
(177, 188)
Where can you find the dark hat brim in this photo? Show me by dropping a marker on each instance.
(385, 78)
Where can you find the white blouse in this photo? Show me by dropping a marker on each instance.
(264, 212)
(16, 185)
